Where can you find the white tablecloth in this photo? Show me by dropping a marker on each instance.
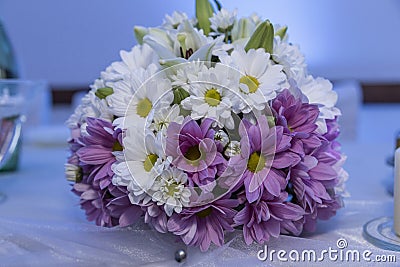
(41, 223)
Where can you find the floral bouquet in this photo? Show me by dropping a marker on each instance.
(209, 125)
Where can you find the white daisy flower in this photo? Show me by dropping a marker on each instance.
(125, 89)
(223, 20)
(74, 119)
(143, 161)
(169, 190)
(141, 56)
(290, 57)
(259, 80)
(173, 21)
(211, 96)
(156, 92)
(222, 137)
(343, 176)
(162, 117)
(187, 73)
(320, 92)
(91, 106)
(233, 149)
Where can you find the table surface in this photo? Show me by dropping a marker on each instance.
(41, 223)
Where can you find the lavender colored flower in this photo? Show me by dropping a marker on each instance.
(96, 154)
(261, 149)
(199, 226)
(155, 217)
(333, 129)
(313, 181)
(331, 135)
(120, 206)
(107, 207)
(322, 211)
(268, 217)
(195, 151)
(94, 201)
(298, 120)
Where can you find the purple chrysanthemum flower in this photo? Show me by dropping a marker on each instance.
(156, 217)
(298, 120)
(96, 154)
(107, 207)
(120, 206)
(261, 149)
(313, 181)
(322, 211)
(269, 216)
(94, 201)
(202, 225)
(331, 135)
(332, 129)
(194, 150)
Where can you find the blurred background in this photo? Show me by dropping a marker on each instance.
(68, 43)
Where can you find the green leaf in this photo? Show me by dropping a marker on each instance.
(179, 95)
(263, 37)
(204, 12)
(102, 93)
(281, 32)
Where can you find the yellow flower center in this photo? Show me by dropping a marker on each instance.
(117, 146)
(143, 107)
(204, 213)
(251, 82)
(171, 189)
(256, 162)
(149, 162)
(212, 97)
(193, 153)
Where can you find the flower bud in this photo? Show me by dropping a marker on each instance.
(244, 28)
(263, 37)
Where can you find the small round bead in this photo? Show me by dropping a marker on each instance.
(180, 255)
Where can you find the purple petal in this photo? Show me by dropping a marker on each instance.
(130, 216)
(285, 159)
(323, 171)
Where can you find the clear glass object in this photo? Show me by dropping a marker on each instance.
(15, 96)
(8, 70)
(8, 65)
(10, 140)
(380, 233)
